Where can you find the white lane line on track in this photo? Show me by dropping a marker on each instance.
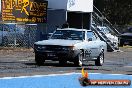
(23, 60)
(38, 75)
(55, 75)
(128, 66)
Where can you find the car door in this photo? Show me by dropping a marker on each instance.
(93, 44)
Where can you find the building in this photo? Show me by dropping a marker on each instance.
(53, 14)
(39, 18)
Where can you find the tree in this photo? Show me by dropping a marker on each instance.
(118, 11)
(99, 4)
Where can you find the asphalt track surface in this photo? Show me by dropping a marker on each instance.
(20, 62)
(69, 80)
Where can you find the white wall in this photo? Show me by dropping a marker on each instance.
(72, 5)
(80, 5)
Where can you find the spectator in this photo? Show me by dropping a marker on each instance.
(65, 25)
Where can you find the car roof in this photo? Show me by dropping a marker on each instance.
(75, 29)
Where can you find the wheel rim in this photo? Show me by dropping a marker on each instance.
(101, 58)
(80, 59)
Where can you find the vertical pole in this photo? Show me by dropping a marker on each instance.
(2, 34)
(15, 36)
(66, 16)
(28, 36)
(90, 20)
(82, 20)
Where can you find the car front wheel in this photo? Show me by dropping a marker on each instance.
(62, 62)
(79, 59)
(100, 59)
(39, 60)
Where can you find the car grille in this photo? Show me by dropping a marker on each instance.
(51, 48)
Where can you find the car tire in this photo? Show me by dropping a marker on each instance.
(39, 60)
(121, 43)
(62, 62)
(100, 59)
(79, 59)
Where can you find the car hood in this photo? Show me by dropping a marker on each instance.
(58, 42)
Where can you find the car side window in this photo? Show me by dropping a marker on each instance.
(91, 36)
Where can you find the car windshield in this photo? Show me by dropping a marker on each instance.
(68, 34)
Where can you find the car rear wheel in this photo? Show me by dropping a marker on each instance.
(100, 59)
(39, 60)
(121, 43)
(79, 59)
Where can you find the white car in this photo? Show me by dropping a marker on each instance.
(70, 44)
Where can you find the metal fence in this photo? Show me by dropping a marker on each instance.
(17, 35)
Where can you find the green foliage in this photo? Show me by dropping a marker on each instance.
(118, 11)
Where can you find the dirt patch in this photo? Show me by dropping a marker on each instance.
(13, 53)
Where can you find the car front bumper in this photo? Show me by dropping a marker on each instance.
(57, 55)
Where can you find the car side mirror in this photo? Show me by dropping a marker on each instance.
(90, 39)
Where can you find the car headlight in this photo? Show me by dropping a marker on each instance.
(65, 48)
(72, 47)
(39, 47)
(68, 48)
